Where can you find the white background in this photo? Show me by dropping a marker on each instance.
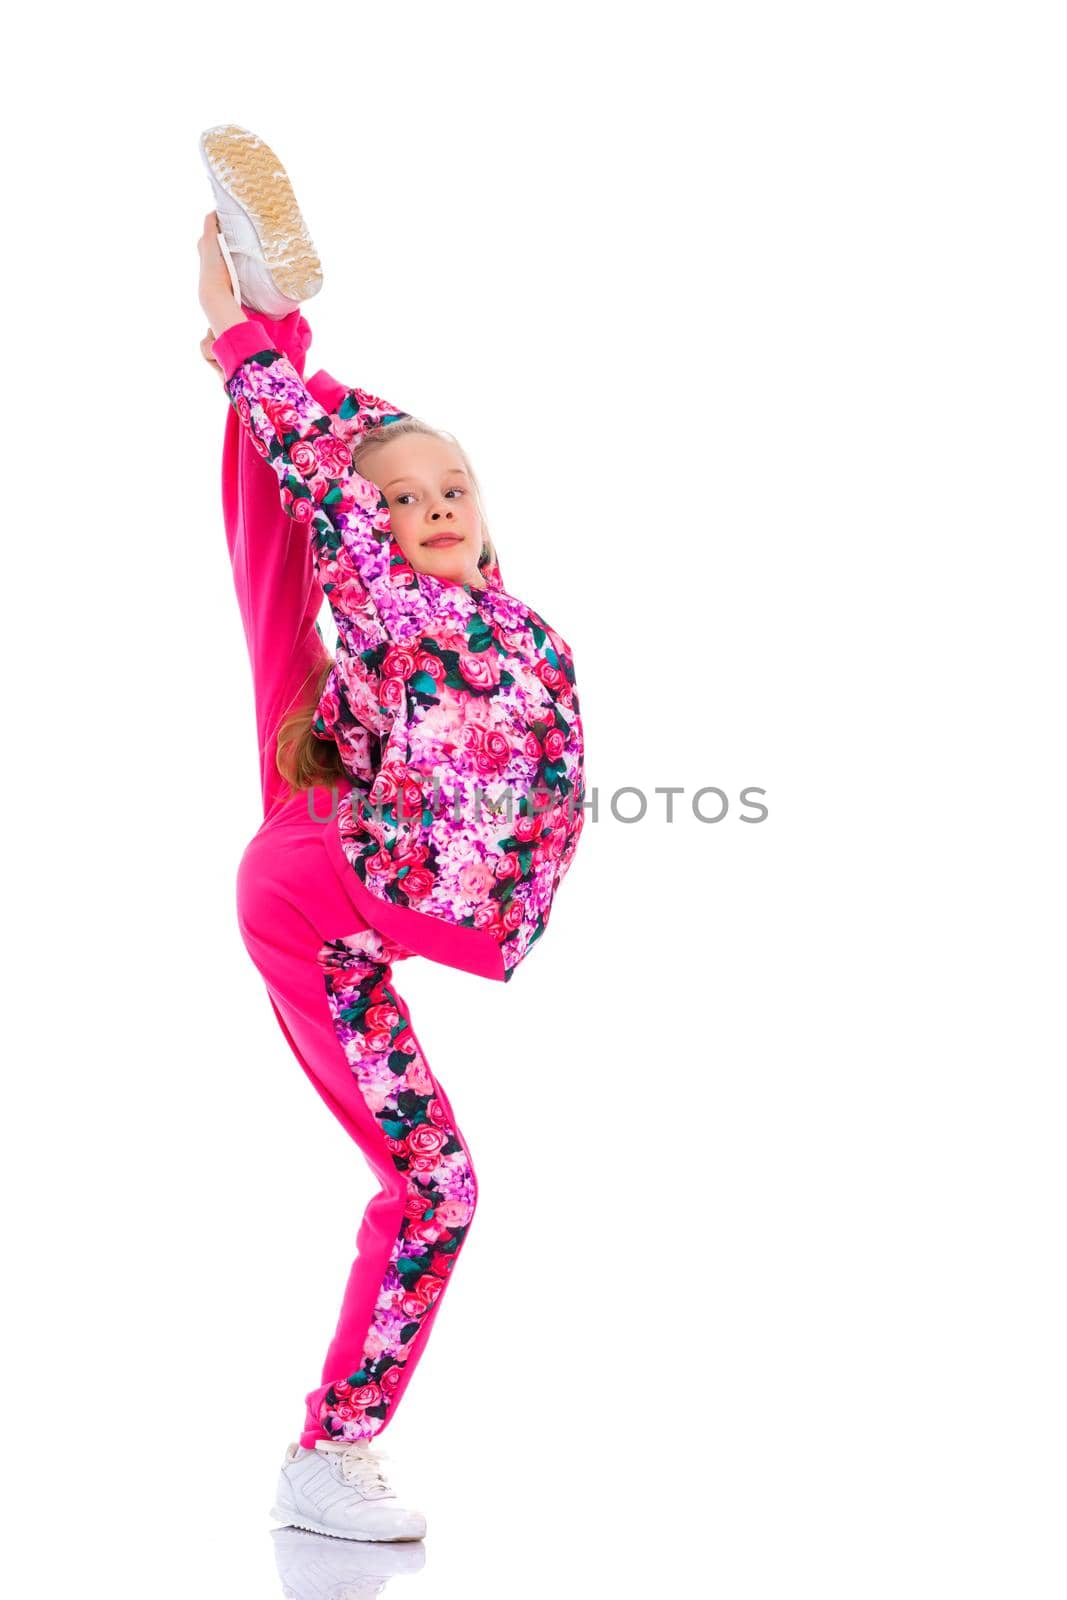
(751, 319)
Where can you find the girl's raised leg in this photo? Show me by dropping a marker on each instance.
(277, 591)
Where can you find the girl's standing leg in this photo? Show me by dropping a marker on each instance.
(330, 981)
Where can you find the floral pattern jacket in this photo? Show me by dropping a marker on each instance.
(454, 708)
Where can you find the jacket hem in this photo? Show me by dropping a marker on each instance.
(472, 950)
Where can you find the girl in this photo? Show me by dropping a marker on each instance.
(423, 788)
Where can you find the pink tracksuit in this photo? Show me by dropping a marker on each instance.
(430, 680)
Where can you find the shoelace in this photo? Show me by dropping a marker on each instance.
(359, 1465)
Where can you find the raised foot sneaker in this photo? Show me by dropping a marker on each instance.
(262, 232)
(339, 1488)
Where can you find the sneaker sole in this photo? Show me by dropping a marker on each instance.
(291, 1520)
(251, 173)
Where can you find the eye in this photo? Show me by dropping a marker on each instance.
(408, 495)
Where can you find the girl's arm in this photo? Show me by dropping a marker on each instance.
(372, 590)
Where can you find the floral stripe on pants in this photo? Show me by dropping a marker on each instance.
(374, 1028)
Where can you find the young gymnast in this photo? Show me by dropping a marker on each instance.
(423, 788)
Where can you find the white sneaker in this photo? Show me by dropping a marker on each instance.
(263, 236)
(339, 1488)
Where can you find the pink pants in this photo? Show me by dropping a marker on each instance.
(329, 978)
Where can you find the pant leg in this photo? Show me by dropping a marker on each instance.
(330, 980)
(277, 591)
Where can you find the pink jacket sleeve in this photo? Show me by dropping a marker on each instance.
(374, 593)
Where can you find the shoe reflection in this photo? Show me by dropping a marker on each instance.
(316, 1566)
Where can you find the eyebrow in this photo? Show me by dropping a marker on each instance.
(405, 479)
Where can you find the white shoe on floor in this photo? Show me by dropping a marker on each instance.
(263, 235)
(339, 1488)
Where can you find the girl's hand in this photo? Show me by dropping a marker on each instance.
(216, 290)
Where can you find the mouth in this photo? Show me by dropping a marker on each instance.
(442, 539)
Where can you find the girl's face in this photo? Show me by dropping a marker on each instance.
(432, 507)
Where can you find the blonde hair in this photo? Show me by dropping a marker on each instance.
(304, 759)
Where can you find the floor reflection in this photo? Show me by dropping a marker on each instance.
(313, 1566)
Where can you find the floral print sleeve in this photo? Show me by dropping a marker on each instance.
(372, 590)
